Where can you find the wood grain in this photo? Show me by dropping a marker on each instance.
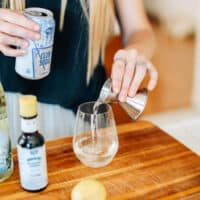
(149, 165)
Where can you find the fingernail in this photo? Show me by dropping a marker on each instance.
(116, 89)
(25, 44)
(122, 98)
(36, 27)
(132, 94)
(150, 87)
(23, 51)
(37, 36)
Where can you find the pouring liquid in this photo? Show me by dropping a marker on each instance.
(99, 148)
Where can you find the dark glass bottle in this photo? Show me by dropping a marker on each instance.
(31, 148)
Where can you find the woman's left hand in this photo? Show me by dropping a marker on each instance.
(128, 71)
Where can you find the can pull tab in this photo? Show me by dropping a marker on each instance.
(133, 106)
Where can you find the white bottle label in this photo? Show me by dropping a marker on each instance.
(32, 167)
(29, 125)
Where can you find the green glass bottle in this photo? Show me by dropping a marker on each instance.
(6, 161)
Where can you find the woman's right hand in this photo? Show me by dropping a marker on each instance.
(15, 29)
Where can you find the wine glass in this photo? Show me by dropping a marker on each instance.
(95, 140)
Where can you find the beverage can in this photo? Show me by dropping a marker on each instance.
(36, 63)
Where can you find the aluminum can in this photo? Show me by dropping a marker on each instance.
(36, 63)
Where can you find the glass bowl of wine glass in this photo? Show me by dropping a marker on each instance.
(95, 139)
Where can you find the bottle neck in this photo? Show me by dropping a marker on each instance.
(29, 125)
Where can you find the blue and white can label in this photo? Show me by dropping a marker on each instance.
(36, 63)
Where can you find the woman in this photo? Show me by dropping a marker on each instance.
(77, 70)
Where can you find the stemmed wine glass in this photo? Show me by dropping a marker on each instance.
(95, 140)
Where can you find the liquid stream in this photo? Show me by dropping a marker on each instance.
(99, 148)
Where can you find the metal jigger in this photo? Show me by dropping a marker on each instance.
(133, 106)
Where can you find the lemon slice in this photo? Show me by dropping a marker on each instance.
(89, 189)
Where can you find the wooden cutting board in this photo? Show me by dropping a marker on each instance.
(149, 165)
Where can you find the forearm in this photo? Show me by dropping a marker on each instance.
(143, 41)
(129, 68)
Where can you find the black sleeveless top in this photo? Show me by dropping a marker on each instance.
(66, 84)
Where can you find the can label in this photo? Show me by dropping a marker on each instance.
(32, 167)
(36, 63)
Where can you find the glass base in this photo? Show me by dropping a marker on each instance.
(6, 175)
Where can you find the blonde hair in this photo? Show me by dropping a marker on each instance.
(100, 19)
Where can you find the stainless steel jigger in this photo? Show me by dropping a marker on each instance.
(133, 106)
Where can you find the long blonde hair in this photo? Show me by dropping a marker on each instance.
(100, 18)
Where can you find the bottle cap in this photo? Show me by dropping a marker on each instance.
(28, 106)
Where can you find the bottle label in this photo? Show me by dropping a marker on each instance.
(29, 125)
(5, 153)
(32, 167)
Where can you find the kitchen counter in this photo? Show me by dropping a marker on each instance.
(149, 165)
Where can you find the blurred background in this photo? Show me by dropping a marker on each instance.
(175, 104)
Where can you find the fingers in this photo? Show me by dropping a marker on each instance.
(117, 75)
(140, 73)
(13, 28)
(118, 69)
(18, 19)
(153, 74)
(8, 51)
(6, 41)
(18, 31)
(14, 41)
(15, 24)
(128, 72)
(128, 75)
